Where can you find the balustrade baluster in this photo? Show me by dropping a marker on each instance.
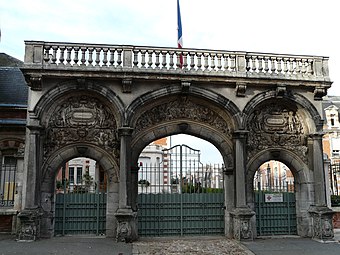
(304, 69)
(248, 63)
(285, 65)
(54, 55)
(178, 59)
(62, 53)
(273, 65)
(47, 54)
(119, 57)
(143, 52)
(157, 62)
(253, 63)
(68, 57)
(206, 61)
(232, 63)
(266, 64)
(260, 62)
(212, 61)
(83, 59)
(219, 62)
(291, 65)
(150, 52)
(298, 66)
(98, 50)
(171, 64)
(309, 67)
(76, 52)
(199, 61)
(105, 50)
(192, 60)
(90, 61)
(164, 53)
(185, 60)
(279, 65)
(135, 58)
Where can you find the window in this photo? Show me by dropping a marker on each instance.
(79, 175)
(71, 175)
(7, 181)
(335, 153)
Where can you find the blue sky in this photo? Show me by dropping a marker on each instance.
(303, 27)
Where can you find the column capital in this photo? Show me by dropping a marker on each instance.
(317, 135)
(240, 134)
(125, 131)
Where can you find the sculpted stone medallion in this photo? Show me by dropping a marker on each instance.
(182, 109)
(81, 119)
(275, 126)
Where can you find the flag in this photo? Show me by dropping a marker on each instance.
(179, 31)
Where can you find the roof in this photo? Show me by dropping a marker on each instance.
(13, 88)
(9, 61)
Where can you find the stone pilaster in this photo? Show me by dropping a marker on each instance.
(29, 219)
(321, 214)
(126, 217)
(242, 214)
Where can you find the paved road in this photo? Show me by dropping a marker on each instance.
(82, 245)
(64, 245)
(292, 246)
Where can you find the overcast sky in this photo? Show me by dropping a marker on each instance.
(303, 27)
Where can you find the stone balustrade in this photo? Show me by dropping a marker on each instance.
(160, 59)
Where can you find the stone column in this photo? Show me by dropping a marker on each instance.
(126, 217)
(30, 216)
(321, 214)
(242, 227)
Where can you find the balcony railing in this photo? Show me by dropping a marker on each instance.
(89, 57)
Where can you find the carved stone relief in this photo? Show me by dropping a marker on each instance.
(81, 119)
(276, 126)
(182, 109)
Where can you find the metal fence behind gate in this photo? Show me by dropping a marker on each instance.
(180, 196)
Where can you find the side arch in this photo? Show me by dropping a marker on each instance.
(303, 183)
(46, 199)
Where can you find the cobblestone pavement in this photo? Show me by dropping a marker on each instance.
(189, 246)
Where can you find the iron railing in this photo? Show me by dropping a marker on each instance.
(7, 184)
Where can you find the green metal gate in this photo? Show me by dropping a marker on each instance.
(180, 196)
(275, 213)
(80, 213)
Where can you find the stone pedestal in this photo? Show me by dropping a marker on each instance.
(29, 225)
(127, 225)
(322, 223)
(242, 226)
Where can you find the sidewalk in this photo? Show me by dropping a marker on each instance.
(75, 245)
(294, 246)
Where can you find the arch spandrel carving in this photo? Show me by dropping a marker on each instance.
(185, 109)
(82, 119)
(277, 126)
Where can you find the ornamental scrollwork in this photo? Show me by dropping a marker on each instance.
(182, 109)
(81, 119)
(276, 126)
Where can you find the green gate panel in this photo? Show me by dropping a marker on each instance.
(80, 213)
(275, 218)
(181, 214)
